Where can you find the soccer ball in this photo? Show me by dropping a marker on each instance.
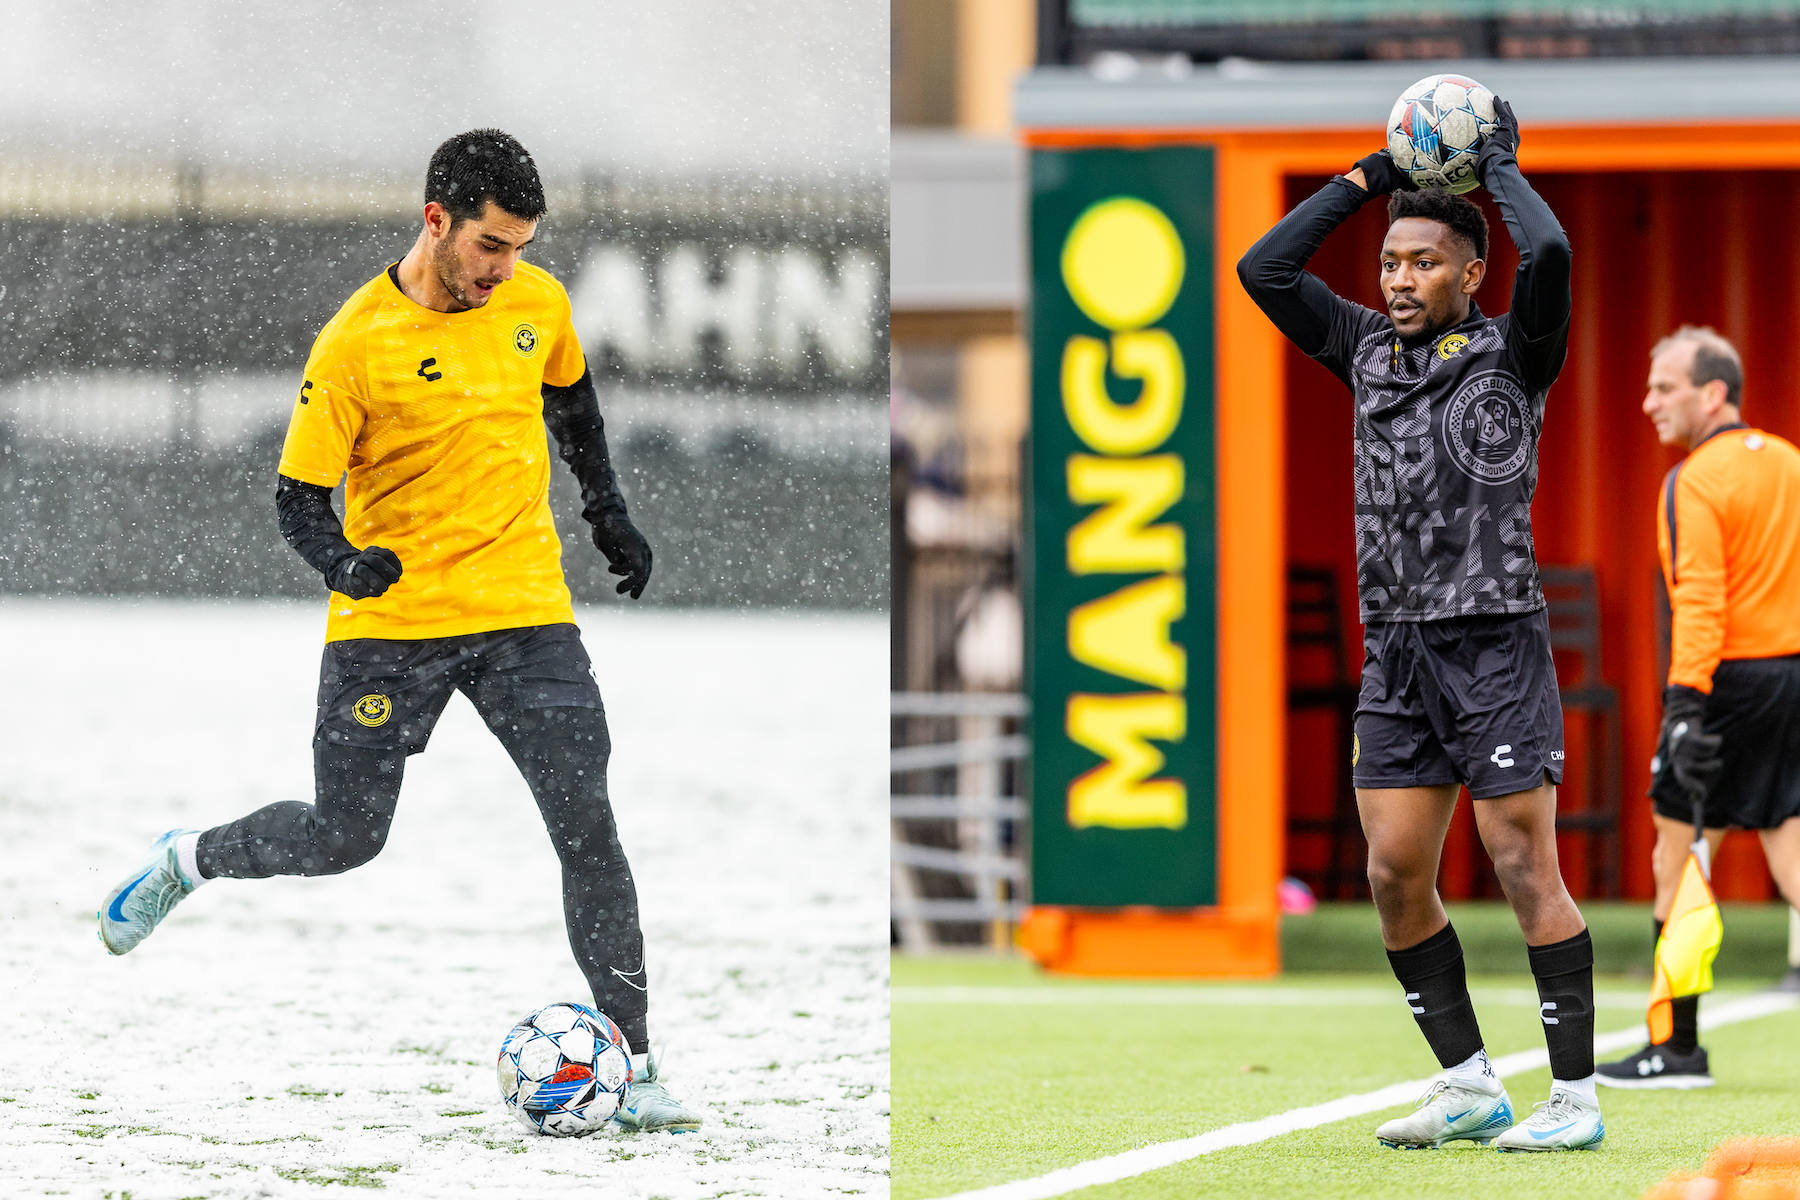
(564, 1069)
(1436, 130)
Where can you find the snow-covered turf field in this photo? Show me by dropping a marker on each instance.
(277, 1037)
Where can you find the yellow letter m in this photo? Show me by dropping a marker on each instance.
(1118, 794)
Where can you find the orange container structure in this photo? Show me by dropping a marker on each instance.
(1682, 203)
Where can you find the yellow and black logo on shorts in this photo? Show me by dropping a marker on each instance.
(525, 340)
(1355, 749)
(373, 710)
(1451, 345)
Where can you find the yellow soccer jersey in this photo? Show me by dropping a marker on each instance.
(438, 419)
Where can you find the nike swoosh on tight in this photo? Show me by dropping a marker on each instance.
(117, 911)
(1551, 1133)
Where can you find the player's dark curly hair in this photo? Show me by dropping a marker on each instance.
(1460, 214)
(472, 168)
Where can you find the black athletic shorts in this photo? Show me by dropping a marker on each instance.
(382, 694)
(1468, 700)
(1755, 709)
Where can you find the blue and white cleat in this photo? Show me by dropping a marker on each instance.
(648, 1107)
(144, 898)
(1449, 1111)
(1563, 1122)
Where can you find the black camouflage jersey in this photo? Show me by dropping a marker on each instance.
(1446, 430)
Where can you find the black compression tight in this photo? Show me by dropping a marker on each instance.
(561, 752)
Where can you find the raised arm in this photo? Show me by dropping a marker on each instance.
(1541, 301)
(1274, 270)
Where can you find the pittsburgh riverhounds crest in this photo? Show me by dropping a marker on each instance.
(525, 340)
(1487, 428)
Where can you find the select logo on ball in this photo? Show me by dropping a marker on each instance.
(373, 710)
(525, 340)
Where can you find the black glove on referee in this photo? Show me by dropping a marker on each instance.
(1685, 749)
(1381, 175)
(1502, 143)
(627, 553)
(365, 574)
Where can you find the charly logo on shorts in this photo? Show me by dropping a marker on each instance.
(1487, 429)
(525, 340)
(373, 710)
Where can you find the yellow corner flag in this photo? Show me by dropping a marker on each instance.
(1684, 953)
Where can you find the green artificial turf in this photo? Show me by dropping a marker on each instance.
(985, 1093)
(1347, 937)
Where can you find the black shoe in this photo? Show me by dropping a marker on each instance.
(1789, 982)
(1656, 1067)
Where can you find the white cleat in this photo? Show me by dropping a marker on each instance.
(1449, 1111)
(1563, 1122)
(648, 1107)
(143, 898)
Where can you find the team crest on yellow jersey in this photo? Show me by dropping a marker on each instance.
(1451, 345)
(525, 340)
(373, 710)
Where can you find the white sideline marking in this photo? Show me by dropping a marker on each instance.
(1115, 1167)
(1276, 997)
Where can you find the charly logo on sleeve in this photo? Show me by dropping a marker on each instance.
(1487, 428)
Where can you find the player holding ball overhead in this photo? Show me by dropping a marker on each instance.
(429, 393)
(1458, 687)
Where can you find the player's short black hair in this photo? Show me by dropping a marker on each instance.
(1460, 214)
(1715, 358)
(472, 168)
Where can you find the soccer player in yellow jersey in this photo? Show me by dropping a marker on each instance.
(430, 390)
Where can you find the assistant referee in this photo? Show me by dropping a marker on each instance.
(1728, 533)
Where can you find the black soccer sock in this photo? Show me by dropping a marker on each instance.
(1685, 1009)
(1565, 981)
(1437, 991)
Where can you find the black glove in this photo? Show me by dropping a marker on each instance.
(1502, 143)
(1382, 175)
(626, 551)
(365, 574)
(1685, 749)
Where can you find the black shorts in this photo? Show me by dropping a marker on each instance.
(382, 694)
(1468, 700)
(1755, 709)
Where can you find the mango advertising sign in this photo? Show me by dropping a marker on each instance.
(1120, 643)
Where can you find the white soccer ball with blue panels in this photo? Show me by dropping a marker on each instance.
(1436, 130)
(564, 1069)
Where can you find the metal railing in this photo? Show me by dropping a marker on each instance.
(984, 820)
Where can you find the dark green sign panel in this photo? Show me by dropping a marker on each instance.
(1122, 544)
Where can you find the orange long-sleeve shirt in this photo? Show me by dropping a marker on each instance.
(1728, 533)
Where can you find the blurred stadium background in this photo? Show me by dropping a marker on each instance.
(1654, 249)
(186, 196)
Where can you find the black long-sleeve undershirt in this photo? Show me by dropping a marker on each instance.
(312, 527)
(1274, 271)
(573, 415)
